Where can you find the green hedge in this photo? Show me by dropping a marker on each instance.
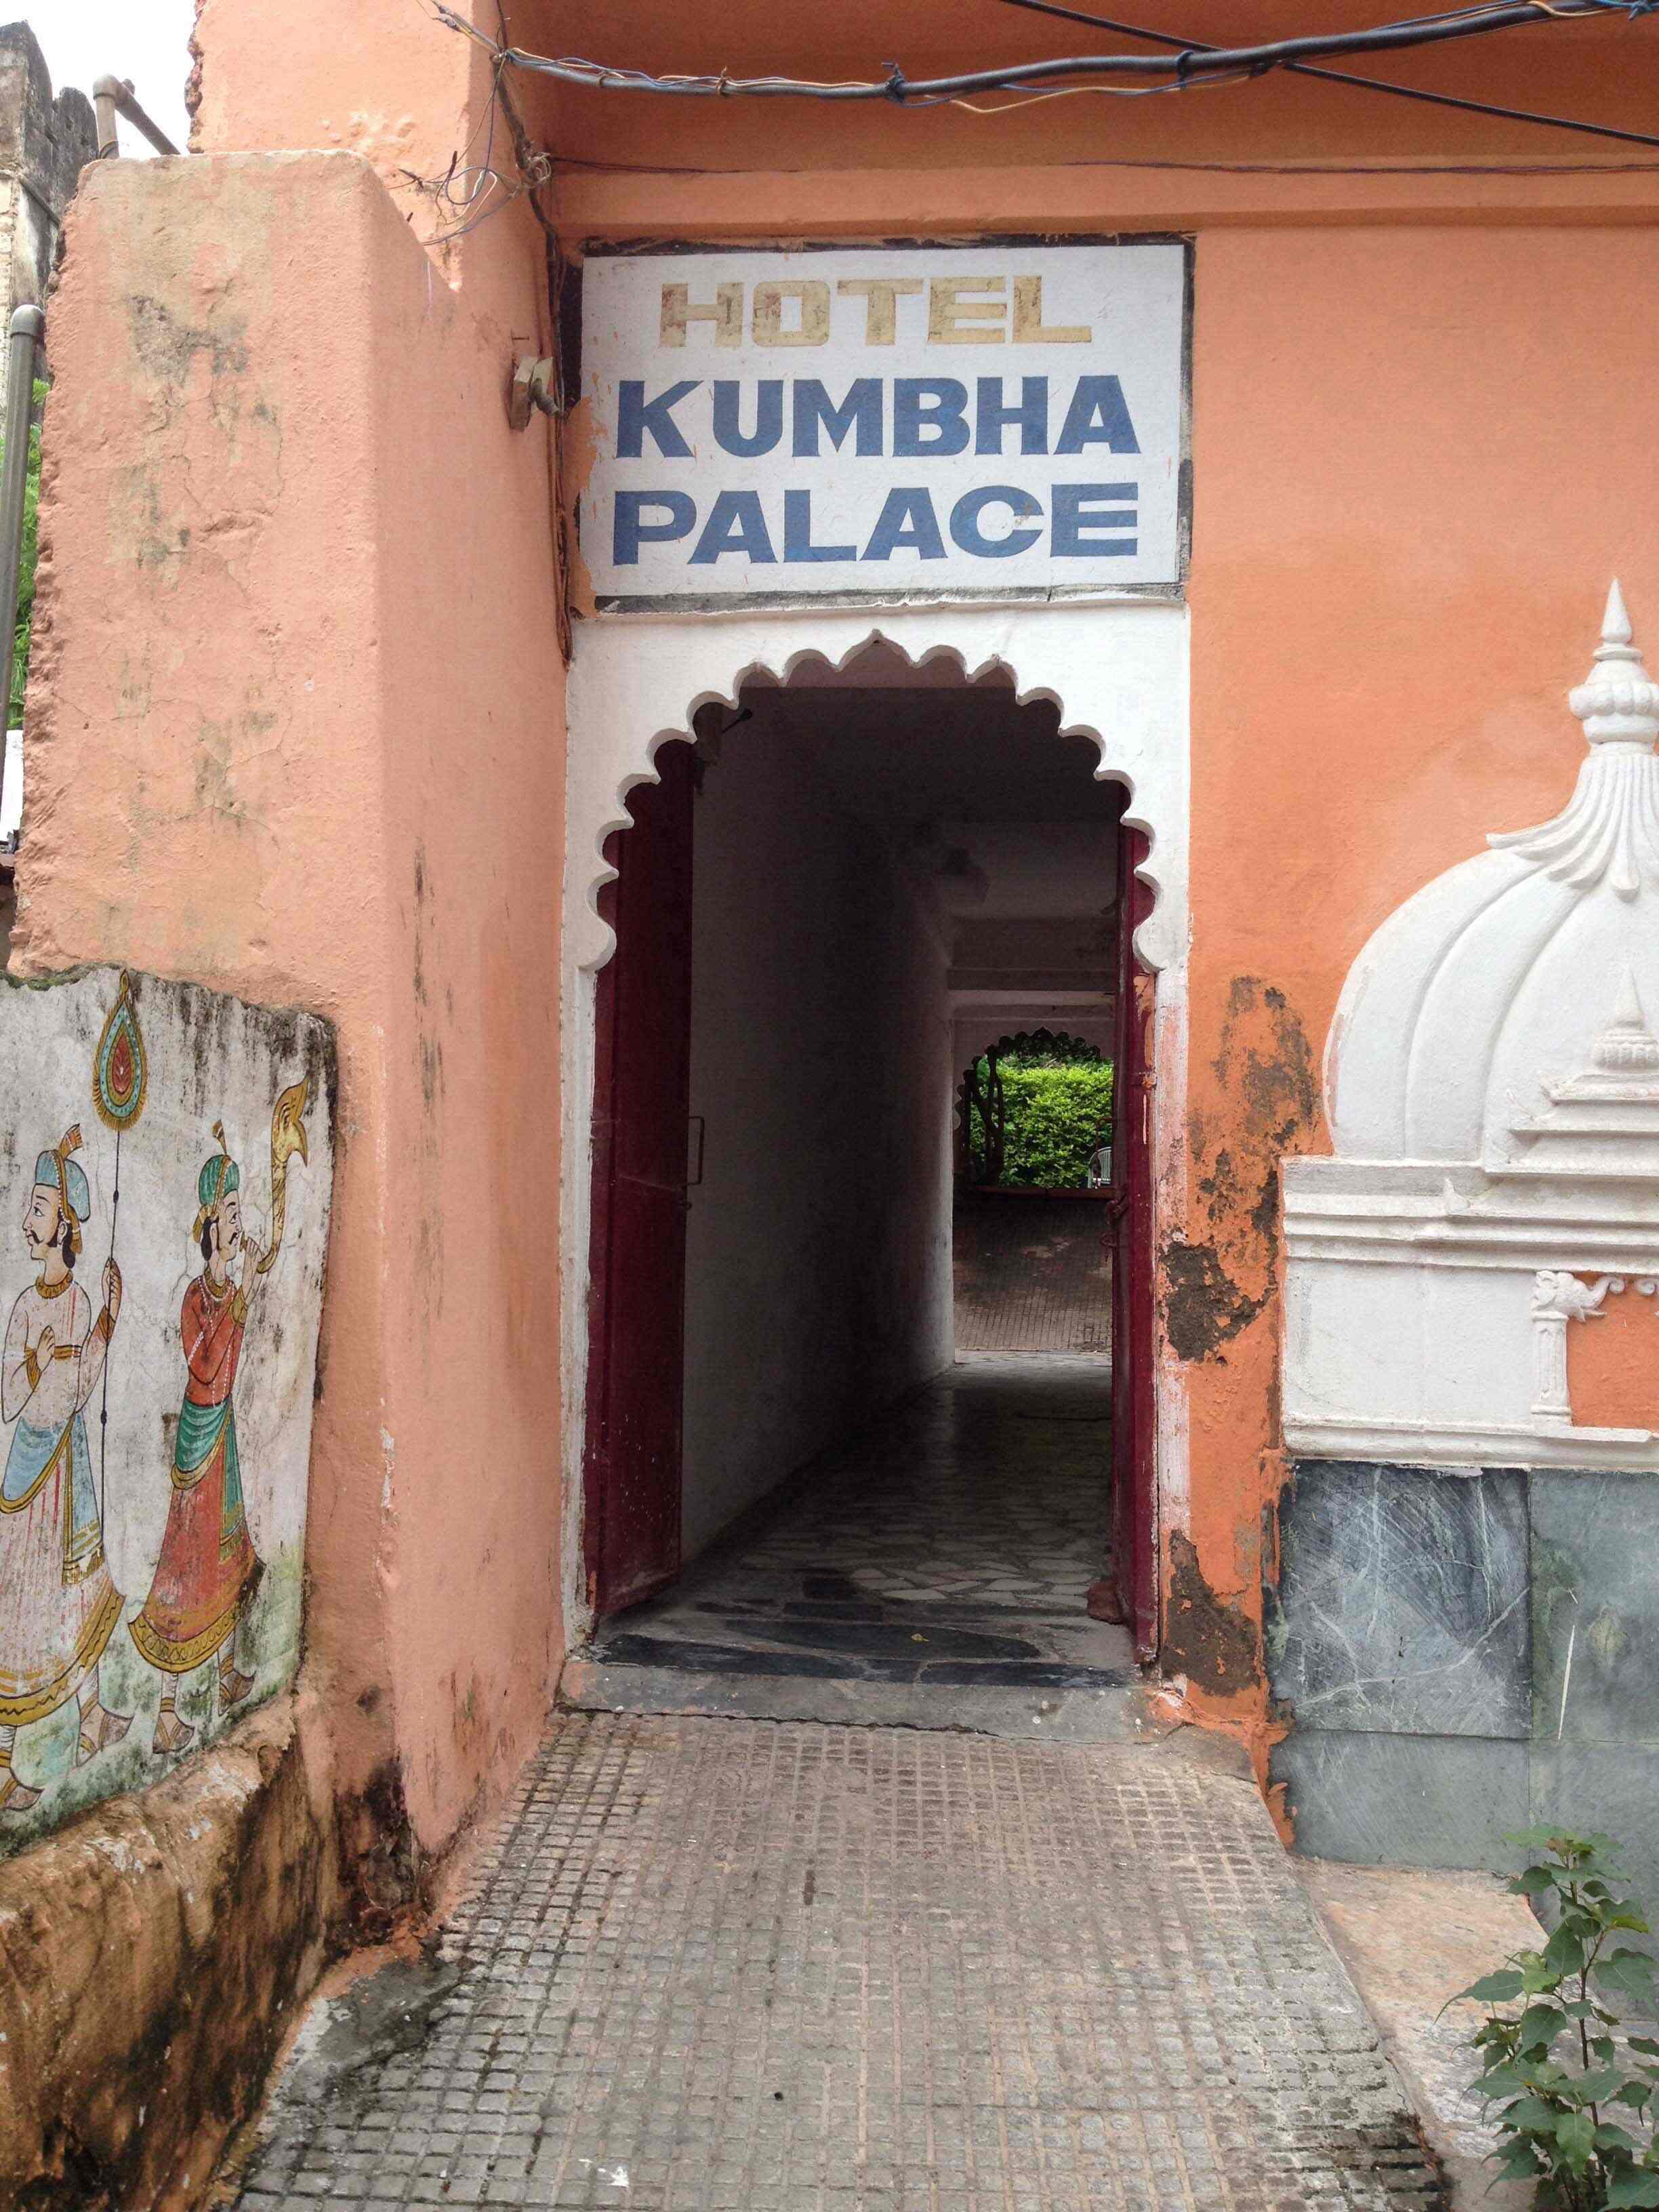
(20, 655)
(1054, 1115)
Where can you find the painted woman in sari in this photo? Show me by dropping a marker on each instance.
(209, 1570)
(58, 1604)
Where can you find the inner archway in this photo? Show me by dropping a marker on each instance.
(856, 826)
(1031, 1220)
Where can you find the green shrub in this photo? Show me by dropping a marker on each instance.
(19, 656)
(1054, 1115)
(1553, 2066)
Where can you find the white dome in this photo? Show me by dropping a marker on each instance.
(1493, 985)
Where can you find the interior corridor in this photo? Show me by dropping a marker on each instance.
(933, 1569)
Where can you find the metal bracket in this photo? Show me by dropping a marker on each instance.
(535, 382)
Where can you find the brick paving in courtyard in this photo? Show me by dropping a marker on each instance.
(787, 1968)
(1032, 1273)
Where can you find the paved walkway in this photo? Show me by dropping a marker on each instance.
(798, 1968)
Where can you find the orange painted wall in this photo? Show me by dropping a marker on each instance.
(295, 731)
(1612, 1363)
(1422, 444)
(1417, 462)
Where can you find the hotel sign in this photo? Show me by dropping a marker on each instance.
(888, 423)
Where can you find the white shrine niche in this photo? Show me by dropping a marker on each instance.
(1491, 1081)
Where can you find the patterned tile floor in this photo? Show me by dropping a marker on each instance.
(945, 1553)
(732, 1965)
(1031, 1274)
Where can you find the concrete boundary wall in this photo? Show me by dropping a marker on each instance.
(294, 722)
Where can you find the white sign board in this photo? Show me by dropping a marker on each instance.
(883, 423)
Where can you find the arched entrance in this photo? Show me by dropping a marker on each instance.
(627, 1006)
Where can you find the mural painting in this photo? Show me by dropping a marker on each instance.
(151, 1580)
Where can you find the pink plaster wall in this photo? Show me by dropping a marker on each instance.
(387, 80)
(295, 732)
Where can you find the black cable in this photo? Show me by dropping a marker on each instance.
(1195, 62)
(1380, 169)
(1346, 77)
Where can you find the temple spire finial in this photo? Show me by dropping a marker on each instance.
(1626, 1044)
(1618, 702)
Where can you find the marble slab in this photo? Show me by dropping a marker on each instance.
(1377, 1800)
(1402, 1605)
(1595, 1610)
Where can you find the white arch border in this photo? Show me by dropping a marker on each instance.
(1116, 672)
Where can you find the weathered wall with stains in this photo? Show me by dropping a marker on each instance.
(45, 140)
(1392, 581)
(294, 726)
(151, 1958)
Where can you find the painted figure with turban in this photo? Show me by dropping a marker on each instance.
(57, 1605)
(209, 1570)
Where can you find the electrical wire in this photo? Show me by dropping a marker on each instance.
(1106, 91)
(1383, 170)
(1191, 63)
(1346, 77)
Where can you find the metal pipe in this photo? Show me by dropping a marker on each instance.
(103, 106)
(23, 334)
(113, 96)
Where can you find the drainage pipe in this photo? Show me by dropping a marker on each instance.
(24, 333)
(112, 97)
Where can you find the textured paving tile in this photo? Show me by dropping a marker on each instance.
(1032, 1275)
(789, 1968)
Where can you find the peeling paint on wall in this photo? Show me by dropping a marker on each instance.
(1205, 1639)
(166, 1163)
(1215, 1287)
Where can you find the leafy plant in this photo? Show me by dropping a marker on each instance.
(20, 656)
(1035, 1117)
(1578, 2105)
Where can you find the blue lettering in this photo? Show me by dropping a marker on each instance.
(907, 524)
(630, 531)
(860, 412)
(992, 417)
(1077, 510)
(798, 533)
(935, 403)
(735, 525)
(768, 417)
(964, 522)
(1099, 416)
(635, 415)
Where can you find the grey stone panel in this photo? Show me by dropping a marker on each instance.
(1612, 1788)
(1595, 1611)
(1379, 1800)
(1401, 1606)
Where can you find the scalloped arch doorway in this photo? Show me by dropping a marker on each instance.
(947, 745)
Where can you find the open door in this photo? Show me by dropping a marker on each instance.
(642, 1098)
(1134, 1493)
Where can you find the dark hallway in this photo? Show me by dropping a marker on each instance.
(934, 1570)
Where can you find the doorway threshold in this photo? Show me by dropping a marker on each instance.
(933, 1574)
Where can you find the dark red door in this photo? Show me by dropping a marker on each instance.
(641, 1095)
(1134, 1493)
